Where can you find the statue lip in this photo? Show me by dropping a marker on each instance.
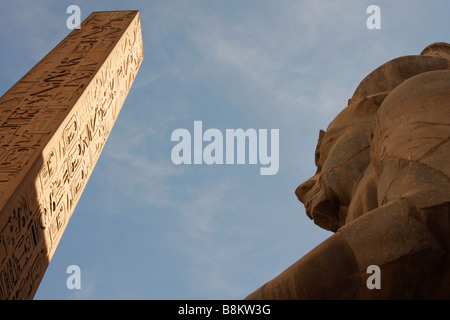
(309, 200)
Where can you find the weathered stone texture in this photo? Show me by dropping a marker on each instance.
(54, 123)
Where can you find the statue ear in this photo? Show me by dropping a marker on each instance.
(367, 107)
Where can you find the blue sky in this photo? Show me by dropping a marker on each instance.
(148, 229)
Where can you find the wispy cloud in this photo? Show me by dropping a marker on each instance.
(213, 245)
(202, 213)
(278, 56)
(141, 175)
(37, 34)
(273, 57)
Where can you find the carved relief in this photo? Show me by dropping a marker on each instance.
(54, 123)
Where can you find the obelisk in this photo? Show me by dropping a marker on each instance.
(54, 123)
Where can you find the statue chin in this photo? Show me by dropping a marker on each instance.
(323, 211)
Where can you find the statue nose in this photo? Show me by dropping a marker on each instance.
(303, 189)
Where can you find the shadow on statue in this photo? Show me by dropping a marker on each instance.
(383, 187)
(23, 244)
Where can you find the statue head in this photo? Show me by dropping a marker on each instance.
(374, 127)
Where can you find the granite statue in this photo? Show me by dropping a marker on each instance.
(382, 187)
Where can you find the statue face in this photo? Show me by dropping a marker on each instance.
(342, 155)
(343, 151)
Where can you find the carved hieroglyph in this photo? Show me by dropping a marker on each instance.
(54, 123)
